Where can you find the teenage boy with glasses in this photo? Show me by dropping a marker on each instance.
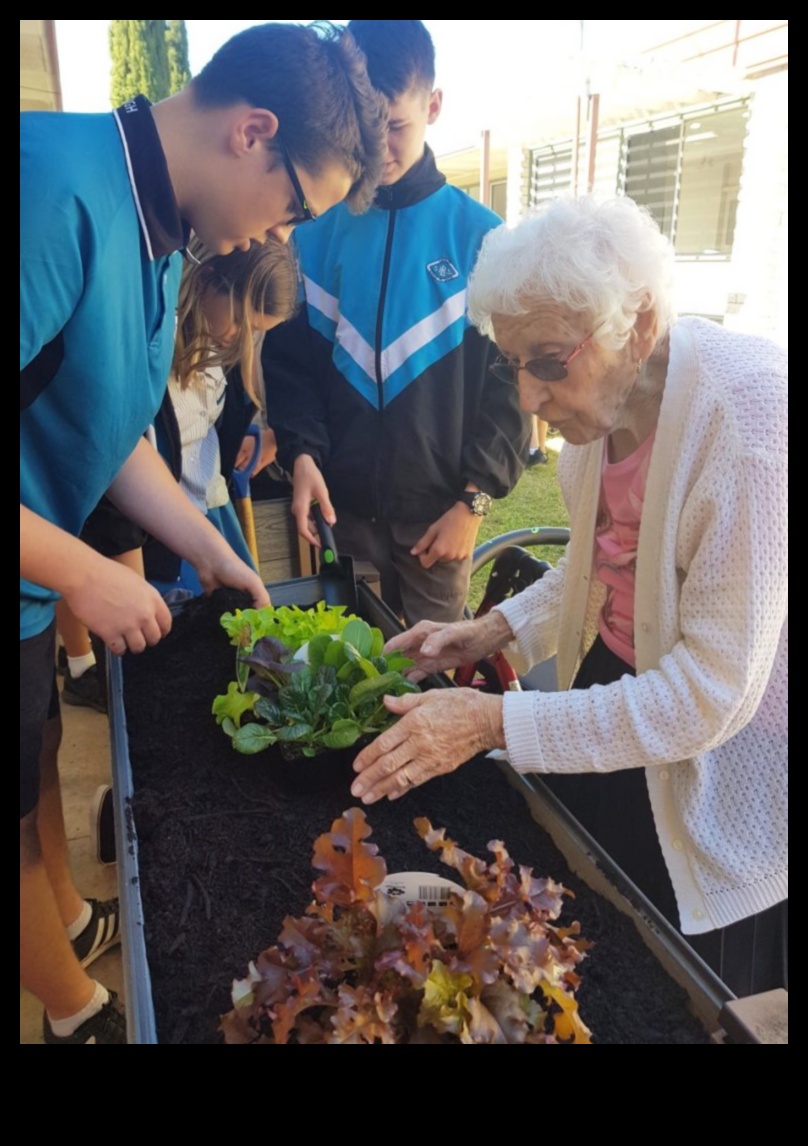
(107, 203)
(379, 392)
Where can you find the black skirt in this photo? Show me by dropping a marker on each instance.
(749, 956)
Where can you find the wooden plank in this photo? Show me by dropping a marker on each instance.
(276, 536)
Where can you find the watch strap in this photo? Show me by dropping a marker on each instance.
(478, 502)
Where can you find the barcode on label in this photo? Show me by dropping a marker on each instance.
(434, 895)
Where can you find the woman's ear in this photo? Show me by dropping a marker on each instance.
(646, 331)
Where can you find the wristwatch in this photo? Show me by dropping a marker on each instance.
(479, 503)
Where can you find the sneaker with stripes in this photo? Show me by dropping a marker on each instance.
(102, 932)
(107, 1026)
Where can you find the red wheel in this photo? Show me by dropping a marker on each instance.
(494, 674)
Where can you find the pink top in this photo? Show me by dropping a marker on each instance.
(622, 490)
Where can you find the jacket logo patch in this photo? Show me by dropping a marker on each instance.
(442, 271)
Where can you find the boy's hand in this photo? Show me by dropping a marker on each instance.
(145, 490)
(309, 486)
(226, 570)
(450, 538)
(116, 603)
(110, 599)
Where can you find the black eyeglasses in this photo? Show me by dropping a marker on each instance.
(545, 369)
(306, 213)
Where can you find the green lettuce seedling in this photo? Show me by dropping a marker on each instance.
(329, 701)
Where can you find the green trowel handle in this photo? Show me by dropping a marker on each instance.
(328, 547)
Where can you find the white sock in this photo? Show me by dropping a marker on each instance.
(80, 922)
(79, 665)
(64, 1027)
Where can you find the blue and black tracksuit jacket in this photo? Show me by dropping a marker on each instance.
(381, 377)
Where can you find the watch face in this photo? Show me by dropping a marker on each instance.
(481, 504)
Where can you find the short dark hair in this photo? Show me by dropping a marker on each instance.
(400, 54)
(314, 79)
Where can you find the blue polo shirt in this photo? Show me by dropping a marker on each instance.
(99, 277)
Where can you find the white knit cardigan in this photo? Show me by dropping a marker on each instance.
(706, 715)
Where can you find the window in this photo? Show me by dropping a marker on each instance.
(688, 174)
(652, 160)
(499, 197)
(685, 169)
(550, 172)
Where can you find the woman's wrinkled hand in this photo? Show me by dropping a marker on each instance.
(436, 647)
(438, 731)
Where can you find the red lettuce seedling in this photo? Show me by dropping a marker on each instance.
(362, 967)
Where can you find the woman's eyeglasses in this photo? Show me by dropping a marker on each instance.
(306, 213)
(545, 369)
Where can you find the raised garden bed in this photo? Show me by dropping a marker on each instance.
(218, 852)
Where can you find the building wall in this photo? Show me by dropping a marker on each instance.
(40, 89)
(746, 286)
(735, 274)
(758, 289)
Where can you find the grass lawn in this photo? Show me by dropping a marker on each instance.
(535, 501)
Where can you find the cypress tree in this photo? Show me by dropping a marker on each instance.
(120, 78)
(179, 70)
(139, 59)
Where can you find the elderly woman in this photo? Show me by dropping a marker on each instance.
(668, 612)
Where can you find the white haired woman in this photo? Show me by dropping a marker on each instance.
(668, 612)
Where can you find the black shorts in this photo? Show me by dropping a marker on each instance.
(39, 702)
(110, 533)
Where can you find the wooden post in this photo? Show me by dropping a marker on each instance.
(485, 169)
(592, 141)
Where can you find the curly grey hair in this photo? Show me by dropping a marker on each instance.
(607, 260)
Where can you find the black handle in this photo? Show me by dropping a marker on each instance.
(328, 551)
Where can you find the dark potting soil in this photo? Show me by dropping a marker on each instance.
(225, 845)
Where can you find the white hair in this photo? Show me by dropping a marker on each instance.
(606, 260)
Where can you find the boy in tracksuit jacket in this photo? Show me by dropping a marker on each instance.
(379, 392)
